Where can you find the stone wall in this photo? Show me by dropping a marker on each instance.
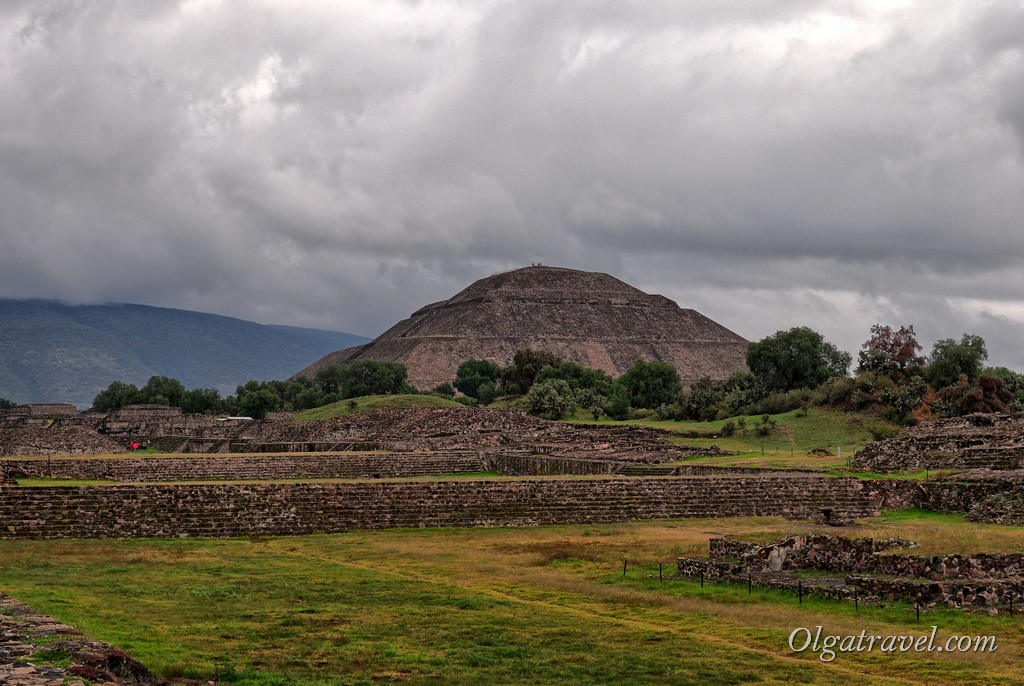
(938, 496)
(251, 467)
(991, 441)
(826, 553)
(121, 511)
(976, 580)
(525, 464)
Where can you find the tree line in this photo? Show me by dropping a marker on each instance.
(787, 370)
(257, 398)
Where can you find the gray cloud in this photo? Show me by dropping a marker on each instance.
(340, 164)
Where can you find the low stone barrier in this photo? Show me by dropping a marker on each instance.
(975, 580)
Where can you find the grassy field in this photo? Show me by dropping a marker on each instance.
(526, 606)
(789, 444)
(375, 402)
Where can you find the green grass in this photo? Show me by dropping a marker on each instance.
(33, 482)
(789, 444)
(375, 402)
(520, 606)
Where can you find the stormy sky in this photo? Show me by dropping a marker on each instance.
(339, 164)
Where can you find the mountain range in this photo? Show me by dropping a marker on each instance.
(55, 352)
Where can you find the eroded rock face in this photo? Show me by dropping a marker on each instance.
(976, 441)
(586, 317)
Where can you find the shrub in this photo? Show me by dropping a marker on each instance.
(550, 399)
(650, 384)
(881, 431)
(477, 379)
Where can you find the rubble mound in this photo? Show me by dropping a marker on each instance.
(472, 428)
(590, 318)
(57, 440)
(999, 508)
(990, 441)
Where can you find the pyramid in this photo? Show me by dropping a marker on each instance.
(587, 317)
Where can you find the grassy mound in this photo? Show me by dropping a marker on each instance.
(375, 402)
(813, 438)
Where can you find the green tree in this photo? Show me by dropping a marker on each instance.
(651, 384)
(329, 378)
(950, 359)
(201, 401)
(891, 353)
(518, 377)
(904, 398)
(445, 389)
(797, 358)
(478, 379)
(551, 399)
(579, 378)
(6, 404)
(373, 377)
(617, 406)
(162, 390)
(258, 403)
(115, 396)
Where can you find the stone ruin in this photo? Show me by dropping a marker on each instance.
(423, 429)
(590, 318)
(22, 633)
(991, 441)
(866, 569)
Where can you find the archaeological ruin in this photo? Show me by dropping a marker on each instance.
(415, 468)
(589, 318)
(865, 569)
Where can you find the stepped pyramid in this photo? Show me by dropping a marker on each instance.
(587, 317)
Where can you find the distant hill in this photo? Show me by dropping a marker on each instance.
(52, 352)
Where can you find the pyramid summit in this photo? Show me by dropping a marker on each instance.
(586, 317)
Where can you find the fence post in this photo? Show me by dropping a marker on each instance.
(702, 578)
(659, 572)
(750, 583)
(624, 567)
(800, 591)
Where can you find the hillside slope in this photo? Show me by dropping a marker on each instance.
(52, 352)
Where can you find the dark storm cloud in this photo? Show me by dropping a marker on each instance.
(340, 164)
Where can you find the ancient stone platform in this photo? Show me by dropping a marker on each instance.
(25, 633)
(586, 317)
